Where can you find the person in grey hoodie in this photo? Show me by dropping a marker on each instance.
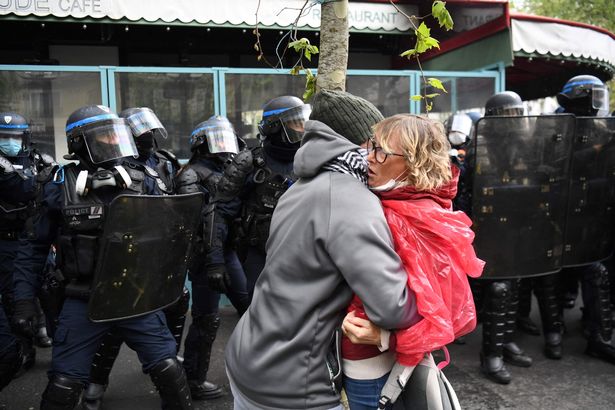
(328, 239)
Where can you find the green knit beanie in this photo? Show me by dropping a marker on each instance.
(350, 116)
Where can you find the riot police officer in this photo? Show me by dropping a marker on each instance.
(21, 170)
(162, 166)
(72, 216)
(215, 268)
(280, 132)
(587, 96)
(498, 298)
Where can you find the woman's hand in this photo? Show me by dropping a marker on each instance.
(360, 331)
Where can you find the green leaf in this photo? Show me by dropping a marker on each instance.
(416, 97)
(428, 105)
(446, 20)
(313, 49)
(437, 7)
(432, 42)
(310, 85)
(435, 83)
(295, 70)
(408, 53)
(423, 30)
(307, 54)
(432, 95)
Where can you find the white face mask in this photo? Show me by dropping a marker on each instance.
(456, 138)
(389, 185)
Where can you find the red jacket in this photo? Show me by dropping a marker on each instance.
(435, 246)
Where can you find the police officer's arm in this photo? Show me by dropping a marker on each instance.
(15, 187)
(360, 245)
(32, 252)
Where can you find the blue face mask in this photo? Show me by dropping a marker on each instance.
(10, 146)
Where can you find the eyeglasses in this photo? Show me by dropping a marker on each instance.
(379, 153)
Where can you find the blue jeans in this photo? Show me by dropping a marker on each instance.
(364, 394)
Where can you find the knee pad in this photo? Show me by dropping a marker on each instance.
(597, 275)
(62, 393)
(499, 289)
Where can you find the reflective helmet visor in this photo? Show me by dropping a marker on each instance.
(600, 99)
(293, 122)
(461, 123)
(109, 141)
(145, 120)
(509, 111)
(219, 139)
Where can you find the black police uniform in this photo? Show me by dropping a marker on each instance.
(161, 166)
(72, 217)
(215, 267)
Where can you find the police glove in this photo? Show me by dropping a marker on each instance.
(218, 279)
(23, 317)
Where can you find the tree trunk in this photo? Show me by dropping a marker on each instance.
(333, 56)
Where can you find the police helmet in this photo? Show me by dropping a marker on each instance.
(584, 95)
(142, 120)
(219, 134)
(14, 133)
(459, 129)
(95, 134)
(504, 103)
(283, 120)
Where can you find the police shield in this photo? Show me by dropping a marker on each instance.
(590, 229)
(143, 254)
(520, 188)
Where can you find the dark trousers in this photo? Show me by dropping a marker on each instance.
(7, 339)
(77, 338)
(8, 250)
(253, 266)
(205, 301)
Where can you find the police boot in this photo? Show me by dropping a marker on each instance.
(524, 322)
(550, 314)
(513, 354)
(206, 327)
(101, 368)
(29, 354)
(61, 393)
(494, 315)
(176, 318)
(10, 362)
(597, 301)
(170, 380)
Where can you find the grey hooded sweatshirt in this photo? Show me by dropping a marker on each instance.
(328, 239)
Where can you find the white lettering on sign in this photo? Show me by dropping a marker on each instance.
(281, 13)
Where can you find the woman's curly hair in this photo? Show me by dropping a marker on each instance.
(424, 145)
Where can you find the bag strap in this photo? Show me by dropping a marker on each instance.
(395, 384)
(447, 359)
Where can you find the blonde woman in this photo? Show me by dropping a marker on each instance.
(409, 169)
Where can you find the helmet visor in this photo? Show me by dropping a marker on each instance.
(109, 141)
(509, 111)
(461, 123)
(219, 139)
(600, 99)
(144, 121)
(293, 122)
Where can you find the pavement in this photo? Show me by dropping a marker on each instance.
(575, 382)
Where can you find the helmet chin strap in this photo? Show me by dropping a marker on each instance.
(116, 176)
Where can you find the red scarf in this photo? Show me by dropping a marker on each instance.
(435, 246)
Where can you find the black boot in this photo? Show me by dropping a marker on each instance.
(494, 316)
(550, 313)
(41, 339)
(176, 317)
(597, 301)
(61, 393)
(197, 353)
(514, 355)
(28, 354)
(102, 364)
(10, 362)
(170, 380)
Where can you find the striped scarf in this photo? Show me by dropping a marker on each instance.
(351, 163)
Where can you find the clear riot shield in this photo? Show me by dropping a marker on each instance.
(520, 189)
(143, 254)
(590, 228)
